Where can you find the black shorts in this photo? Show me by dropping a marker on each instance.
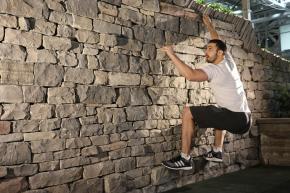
(221, 118)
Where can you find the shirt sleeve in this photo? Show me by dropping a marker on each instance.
(209, 70)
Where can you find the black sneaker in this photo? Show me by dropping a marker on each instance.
(178, 163)
(214, 156)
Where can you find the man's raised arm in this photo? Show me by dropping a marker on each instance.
(210, 27)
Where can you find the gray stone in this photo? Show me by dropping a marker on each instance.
(67, 59)
(167, 22)
(58, 189)
(87, 36)
(61, 18)
(151, 5)
(87, 8)
(55, 5)
(41, 56)
(188, 27)
(36, 191)
(149, 35)
(39, 136)
(57, 43)
(90, 151)
(15, 153)
(65, 154)
(3, 172)
(129, 44)
(100, 140)
(73, 162)
(108, 40)
(12, 52)
(82, 22)
(123, 79)
(27, 39)
(10, 94)
(171, 112)
(91, 130)
(105, 27)
(70, 110)
(120, 153)
(44, 27)
(149, 51)
(15, 185)
(113, 62)
(34, 94)
(49, 124)
(108, 9)
(115, 183)
(61, 95)
(155, 112)
(88, 186)
(139, 96)
(132, 3)
(24, 24)
(124, 97)
(136, 113)
(65, 31)
(124, 164)
(24, 170)
(239, 53)
(34, 8)
(131, 15)
(168, 95)
(15, 111)
(48, 75)
(42, 157)
(99, 169)
(47, 145)
(78, 142)
(101, 78)
(51, 178)
(5, 127)
(96, 94)
(41, 111)
(26, 126)
(114, 2)
(12, 72)
(8, 21)
(1, 33)
(49, 166)
(79, 75)
(11, 137)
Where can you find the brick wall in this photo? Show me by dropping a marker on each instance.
(89, 103)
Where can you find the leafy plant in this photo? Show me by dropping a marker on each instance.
(283, 100)
(216, 6)
(220, 7)
(200, 1)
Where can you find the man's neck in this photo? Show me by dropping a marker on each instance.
(218, 60)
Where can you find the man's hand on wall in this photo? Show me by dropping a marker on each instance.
(207, 21)
(168, 49)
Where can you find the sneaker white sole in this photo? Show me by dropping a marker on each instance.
(183, 168)
(213, 159)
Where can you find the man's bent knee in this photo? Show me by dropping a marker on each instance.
(187, 113)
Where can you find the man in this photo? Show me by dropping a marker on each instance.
(231, 113)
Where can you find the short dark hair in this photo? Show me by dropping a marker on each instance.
(219, 44)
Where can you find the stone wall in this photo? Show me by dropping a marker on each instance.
(90, 104)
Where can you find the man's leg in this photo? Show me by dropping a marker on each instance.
(216, 153)
(183, 161)
(187, 131)
(219, 139)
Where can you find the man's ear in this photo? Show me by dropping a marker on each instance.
(220, 52)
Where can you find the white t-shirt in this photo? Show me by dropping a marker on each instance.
(226, 85)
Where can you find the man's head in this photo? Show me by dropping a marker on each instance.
(215, 51)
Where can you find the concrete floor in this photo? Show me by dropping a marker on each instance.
(252, 180)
